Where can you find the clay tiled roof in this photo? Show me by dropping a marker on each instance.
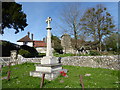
(39, 44)
(24, 39)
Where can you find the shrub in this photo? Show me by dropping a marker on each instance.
(94, 52)
(7, 47)
(63, 55)
(83, 55)
(41, 54)
(116, 52)
(56, 44)
(31, 50)
(24, 53)
(104, 53)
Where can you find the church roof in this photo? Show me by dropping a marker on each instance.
(39, 44)
(25, 39)
(65, 34)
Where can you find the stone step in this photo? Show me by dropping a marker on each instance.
(49, 76)
(49, 65)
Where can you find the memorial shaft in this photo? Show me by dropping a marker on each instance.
(49, 48)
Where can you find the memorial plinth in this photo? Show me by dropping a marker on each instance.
(49, 64)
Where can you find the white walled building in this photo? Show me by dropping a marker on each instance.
(39, 45)
(25, 41)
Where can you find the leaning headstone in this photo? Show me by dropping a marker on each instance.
(49, 64)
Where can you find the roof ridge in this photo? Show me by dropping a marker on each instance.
(25, 38)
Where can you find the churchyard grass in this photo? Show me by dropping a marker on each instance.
(98, 78)
(63, 55)
(94, 54)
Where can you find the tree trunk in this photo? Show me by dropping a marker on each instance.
(100, 47)
(95, 39)
(75, 36)
(99, 36)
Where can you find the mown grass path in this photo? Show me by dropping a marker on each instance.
(99, 78)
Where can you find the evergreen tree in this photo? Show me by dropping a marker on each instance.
(56, 44)
(13, 17)
(97, 22)
(112, 42)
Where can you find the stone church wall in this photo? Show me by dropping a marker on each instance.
(66, 44)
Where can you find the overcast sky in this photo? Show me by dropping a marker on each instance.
(37, 13)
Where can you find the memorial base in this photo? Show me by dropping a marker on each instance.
(51, 71)
(50, 66)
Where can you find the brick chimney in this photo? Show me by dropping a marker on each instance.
(28, 34)
(32, 36)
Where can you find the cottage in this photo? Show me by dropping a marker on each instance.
(26, 41)
(39, 45)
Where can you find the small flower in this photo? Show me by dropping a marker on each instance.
(66, 76)
(67, 87)
(4, 78)
(61, 81)
(87, 74)
(63, 73)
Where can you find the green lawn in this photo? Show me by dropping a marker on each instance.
(100, 78)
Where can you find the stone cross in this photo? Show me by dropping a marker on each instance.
(49, 48)
(48, 21)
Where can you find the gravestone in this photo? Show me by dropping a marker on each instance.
(13, 54)
(49, 64)
(13, 57)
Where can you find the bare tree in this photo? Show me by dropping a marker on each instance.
(70, 16)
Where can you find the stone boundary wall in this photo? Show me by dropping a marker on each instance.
(32, 60)
(109, 62)
(5, 60)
